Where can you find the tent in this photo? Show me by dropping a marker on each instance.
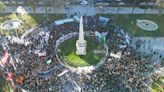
(68, 20)
(59, 22)
(76, 18)
(103, 19)
(21, 10)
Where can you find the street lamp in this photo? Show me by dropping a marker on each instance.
(45, 5)
(67, 8)
(118, 3)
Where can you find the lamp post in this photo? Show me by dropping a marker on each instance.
(134, 5)
(45, 5)
(118, 3)
(146, 7)
(67, 9)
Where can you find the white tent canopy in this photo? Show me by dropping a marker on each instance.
(59, 22)
(103, 19)
(21, 10)
(76, 18)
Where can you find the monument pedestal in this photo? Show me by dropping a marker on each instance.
(81, 47)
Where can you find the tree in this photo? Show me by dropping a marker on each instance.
(118, 5)
(2, 6)
(146, 6)
(160, 5)
(45, 5)
(154, 2)
(134, 5)
(32, 5)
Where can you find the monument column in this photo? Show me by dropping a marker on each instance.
(81, 44)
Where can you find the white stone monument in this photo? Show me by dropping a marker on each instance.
(81, 44)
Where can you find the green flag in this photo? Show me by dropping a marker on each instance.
(48, 61)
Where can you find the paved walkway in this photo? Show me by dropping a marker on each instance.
(86, 9)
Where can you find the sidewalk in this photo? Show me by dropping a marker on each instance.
(86, 9)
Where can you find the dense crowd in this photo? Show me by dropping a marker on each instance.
(33, 74)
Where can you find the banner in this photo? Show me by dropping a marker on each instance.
(101, 37)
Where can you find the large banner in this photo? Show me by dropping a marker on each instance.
(101, 37)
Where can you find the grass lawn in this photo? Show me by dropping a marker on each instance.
(68, 50)
(29, 21)
(125, 21)
(158, 85)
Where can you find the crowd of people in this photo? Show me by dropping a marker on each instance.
(34, 74)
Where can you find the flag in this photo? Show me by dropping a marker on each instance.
(101, 37)
(5, 58)
(48, 61)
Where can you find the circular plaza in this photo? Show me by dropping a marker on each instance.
(47, 64)
(66, 51)
(70, 57)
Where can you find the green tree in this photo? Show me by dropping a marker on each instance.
(160, 5)
(146, 6)
(118, 6)
(2, 6)
(32, 4)
(134, 5)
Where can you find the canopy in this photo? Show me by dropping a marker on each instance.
(76, 18)
(21, 10)
(59, 22)
(103, 19)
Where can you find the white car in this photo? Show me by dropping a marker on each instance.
(84, 2)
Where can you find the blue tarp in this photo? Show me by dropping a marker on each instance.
(103, 21)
